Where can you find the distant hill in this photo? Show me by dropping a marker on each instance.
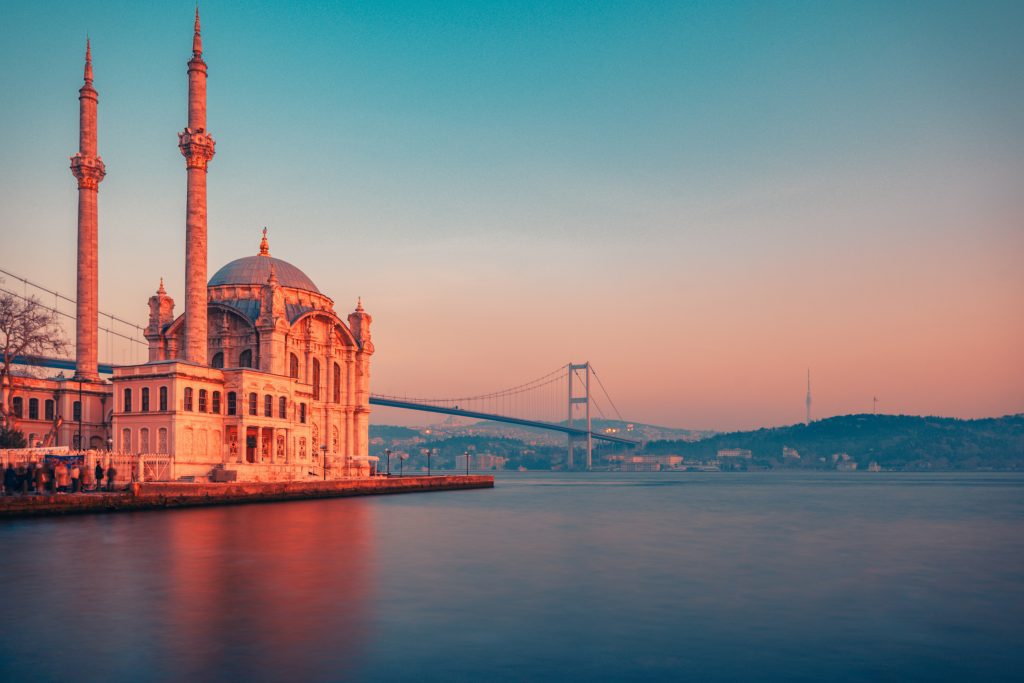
(392, 432)
(892, 441)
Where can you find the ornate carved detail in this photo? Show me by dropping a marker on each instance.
(197, 146)
(88, 170)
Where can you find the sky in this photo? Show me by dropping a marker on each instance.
(703, 199)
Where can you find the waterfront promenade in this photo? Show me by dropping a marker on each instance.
(167, 495)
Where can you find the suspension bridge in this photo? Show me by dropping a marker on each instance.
(564, 400)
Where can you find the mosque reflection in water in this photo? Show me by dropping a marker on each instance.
(233, 593)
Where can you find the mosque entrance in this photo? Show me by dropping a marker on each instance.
(251, 436)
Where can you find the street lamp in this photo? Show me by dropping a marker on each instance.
(387, 452)
(324, 463)
(428, 452)
(467, 463)
(401, 463)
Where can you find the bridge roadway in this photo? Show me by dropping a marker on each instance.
(572, 431)
(107, 369)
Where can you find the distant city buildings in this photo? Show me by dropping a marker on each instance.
(724, 453)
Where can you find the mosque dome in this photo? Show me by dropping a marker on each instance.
(255, 270)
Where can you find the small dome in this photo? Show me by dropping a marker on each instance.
(255, 270)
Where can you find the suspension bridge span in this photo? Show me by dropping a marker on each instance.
(563, 400)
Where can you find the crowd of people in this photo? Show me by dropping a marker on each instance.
(53, 477)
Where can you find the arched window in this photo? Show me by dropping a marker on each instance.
(163, 399)
(302, 413)
(218, 360)
(245, 359)
(282, 407)
(203, 395)
(33, 409)
(18, 406)
(337, 384)
(188, 398)
(252, 403)
(126, 440)
(293, 366)
(144, 398)
(161, 446)
(268, 406)
(232, 403)
(144, 440)
(216, 403)
(316, 380)
(76, 411)
(49, 409)
(127, 407)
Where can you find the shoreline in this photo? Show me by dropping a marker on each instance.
(175, 495)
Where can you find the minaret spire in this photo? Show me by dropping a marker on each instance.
(197, 39)
(88, 62)
(197, 146)
(88, 168)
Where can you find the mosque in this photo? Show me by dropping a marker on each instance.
(258, 376)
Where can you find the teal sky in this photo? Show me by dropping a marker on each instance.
(702, 198)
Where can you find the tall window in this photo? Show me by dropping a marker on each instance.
(268, 406)
(316, 380)
(127, 407)
(337, 384)
(203, 394)
(163, 398)
(76, 411)
(144, 398)
(218, 360)
(232, 401)
(188, 398)
(282, 407)
(215, 408)
(252, 403)
(18, 406)
(302, 413)
(245, 359)
(33, 409)
(48, 408)
(293, 366)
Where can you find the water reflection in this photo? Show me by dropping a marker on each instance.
(239, 593)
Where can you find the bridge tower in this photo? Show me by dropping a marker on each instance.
(574, 401)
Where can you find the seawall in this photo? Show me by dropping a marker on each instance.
(169, 495)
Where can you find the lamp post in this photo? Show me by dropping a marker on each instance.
(401, 464)
(81, 409)
(324, 463)
(428, 452)
(387, 452)
(467, 463)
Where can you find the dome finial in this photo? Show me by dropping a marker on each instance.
(160, 289)
(264, 244)
(359, 303)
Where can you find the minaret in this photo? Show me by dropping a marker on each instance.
(88, 168)
(196, 146)
(808, 420)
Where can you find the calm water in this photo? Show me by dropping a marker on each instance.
(702, 577)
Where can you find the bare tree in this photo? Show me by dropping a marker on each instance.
(27, 328)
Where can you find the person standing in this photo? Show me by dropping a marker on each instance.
(61, 478)
(111, 473)
(99, 474)
(76, 478)
(10, 479)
